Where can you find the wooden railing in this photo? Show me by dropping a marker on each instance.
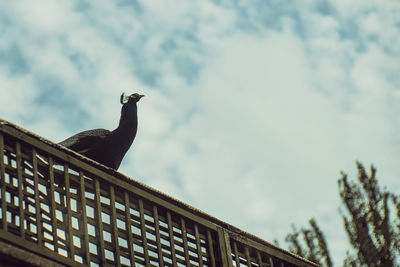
(68, 209)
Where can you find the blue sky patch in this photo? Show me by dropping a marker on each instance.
(14, 60)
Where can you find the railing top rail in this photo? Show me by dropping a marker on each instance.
(136, 187)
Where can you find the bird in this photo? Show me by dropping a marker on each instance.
(109, 147)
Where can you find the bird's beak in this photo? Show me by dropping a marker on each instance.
(140, 96)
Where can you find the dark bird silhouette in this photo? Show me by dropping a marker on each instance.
(109, 147)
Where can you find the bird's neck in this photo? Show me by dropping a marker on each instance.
(128, 121)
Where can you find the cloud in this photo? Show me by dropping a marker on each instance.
(257, 130)
(250, 111)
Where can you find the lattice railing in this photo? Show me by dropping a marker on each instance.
(62, 206)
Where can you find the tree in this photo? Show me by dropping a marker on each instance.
(316, 249)
(373, 235)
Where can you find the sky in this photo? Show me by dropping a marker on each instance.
(251, 109)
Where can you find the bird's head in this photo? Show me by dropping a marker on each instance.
(133, 98)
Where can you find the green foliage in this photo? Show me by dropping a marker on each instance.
(373, 235)
(315, 248)
(368, 224)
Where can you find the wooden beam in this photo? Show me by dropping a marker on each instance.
(225, 247)
(99, 223)
(69, 234)
(171, 238)
(211, 256)
(37, 199)
(84, 226)
(20, 190)
(114, 227)
(143, 231)
(3, 185)
(129, 229)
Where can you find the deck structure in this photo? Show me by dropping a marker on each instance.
(58, 208)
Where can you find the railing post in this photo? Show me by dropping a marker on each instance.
(224, 247)
(99, 223)
(70, 235)
(84, 226)
(3, 185)
(20, 190)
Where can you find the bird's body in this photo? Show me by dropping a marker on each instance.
(108, 147)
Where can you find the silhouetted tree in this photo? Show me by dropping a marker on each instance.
(374, 237)
(315, 249)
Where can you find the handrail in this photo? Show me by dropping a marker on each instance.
(63, 206)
